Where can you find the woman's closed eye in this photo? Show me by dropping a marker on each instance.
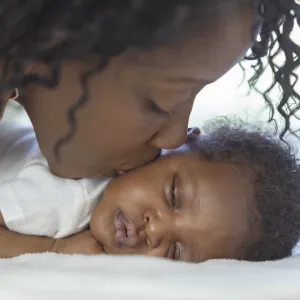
(156, 109)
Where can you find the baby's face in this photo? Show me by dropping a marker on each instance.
(179, 207)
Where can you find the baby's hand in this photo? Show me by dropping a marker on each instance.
(81, 243)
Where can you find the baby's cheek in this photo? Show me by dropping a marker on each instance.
(94, 225)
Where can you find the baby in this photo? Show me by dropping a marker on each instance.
(234, 193)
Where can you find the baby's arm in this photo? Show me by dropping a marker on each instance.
(14, 244)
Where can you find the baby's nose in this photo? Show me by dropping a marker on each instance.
(155, 229)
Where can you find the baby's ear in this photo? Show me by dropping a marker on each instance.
(193, 134)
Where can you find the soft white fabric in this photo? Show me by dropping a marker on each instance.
(60, 277)
(33, 200)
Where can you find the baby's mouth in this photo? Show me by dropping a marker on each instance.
(126, 232)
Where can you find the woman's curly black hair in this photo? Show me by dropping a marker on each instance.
(276, 184)
(53, 31)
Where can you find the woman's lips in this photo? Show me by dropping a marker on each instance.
(121, 172)
(131, 167)
(126, 232)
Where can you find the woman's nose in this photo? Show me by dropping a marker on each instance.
(155, 229)
(174, 133)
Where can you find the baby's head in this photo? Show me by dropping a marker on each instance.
(234, 194)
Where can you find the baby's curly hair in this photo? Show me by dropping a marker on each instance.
(51, 32)
(277, 182)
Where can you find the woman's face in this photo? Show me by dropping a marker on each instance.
(141, 102)
(179, 207)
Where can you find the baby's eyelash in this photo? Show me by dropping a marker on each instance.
(173, 195)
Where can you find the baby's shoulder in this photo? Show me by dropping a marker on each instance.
(17, 146)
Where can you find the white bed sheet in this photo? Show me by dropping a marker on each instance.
(61, 277)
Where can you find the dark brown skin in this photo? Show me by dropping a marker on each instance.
(14, 244)
(120, 128)
(181, 207)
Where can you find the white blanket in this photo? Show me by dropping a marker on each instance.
(55, 277)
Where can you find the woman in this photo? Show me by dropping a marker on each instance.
(107, 84)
